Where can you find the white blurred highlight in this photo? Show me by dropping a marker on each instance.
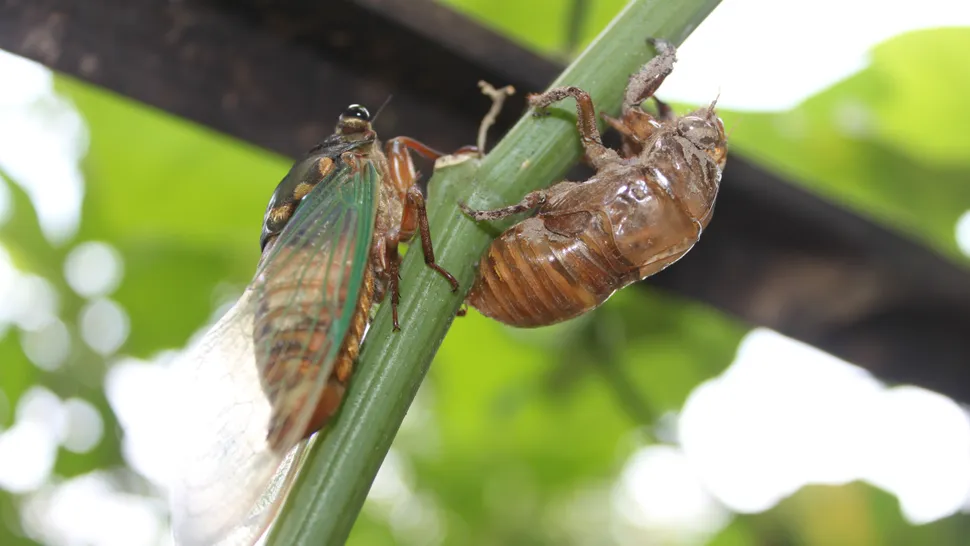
(27, 454)
(143, 397)
(29, 448)
(92, 510)
(83, 426)
(29, 301)
(756, 53)
(41, 406)
(413, 517)
(42, 139)
(963, 233)
(48, 346)
(785, 415)
(920, 451)
(93, 269)
(104, 325)
(661, 496)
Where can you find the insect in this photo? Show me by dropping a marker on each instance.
(274, 368)
(642, 210)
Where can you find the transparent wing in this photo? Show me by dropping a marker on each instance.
(229, 480)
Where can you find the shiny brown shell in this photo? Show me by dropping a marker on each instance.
(641, 211)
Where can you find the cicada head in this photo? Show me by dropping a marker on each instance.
(355, 123)
(706, 131)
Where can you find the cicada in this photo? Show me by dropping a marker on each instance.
(643, 210)
(275, 367)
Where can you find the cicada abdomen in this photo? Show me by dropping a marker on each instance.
(296, 332)
(637, 215)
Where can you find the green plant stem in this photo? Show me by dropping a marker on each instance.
(339, 469)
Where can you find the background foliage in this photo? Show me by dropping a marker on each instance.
(512, 430)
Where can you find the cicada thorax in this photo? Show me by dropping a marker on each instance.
(687, 172)
(659, 214)
(298, 182)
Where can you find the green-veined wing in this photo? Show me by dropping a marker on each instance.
(230, 479)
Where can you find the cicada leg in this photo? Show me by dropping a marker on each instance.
(636, 125)
(530, 201)
(415, 217)
(599, 156)
(645, 82)
(394, 277)
(416, 201)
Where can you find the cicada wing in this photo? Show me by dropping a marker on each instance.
(231, 478)
(224, 462)
(308, 286)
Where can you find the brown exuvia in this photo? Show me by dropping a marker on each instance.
(642, 210)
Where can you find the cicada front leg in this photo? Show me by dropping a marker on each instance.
(415, 202)
(635, 124)
(598, 155)
(645, 82)
(415, 213)
(531, 201)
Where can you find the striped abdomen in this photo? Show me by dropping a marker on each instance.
(292, 330)
(531, 276)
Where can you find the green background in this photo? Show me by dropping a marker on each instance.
(515, 423)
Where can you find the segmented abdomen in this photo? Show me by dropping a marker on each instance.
(292, 329)
(531, 276)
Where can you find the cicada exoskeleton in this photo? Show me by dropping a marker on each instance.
(643, 210)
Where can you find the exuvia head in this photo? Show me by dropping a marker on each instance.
(354, 119)
(702, 130)
(706, 131)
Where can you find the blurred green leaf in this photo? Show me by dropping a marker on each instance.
(10, 531)
(541, 25)
(855, 514)
(880, 141)
(183, 208)
(914, 114)
(185, 184)
(17, 374)
(22, 238)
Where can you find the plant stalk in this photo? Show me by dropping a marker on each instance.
(338, 471)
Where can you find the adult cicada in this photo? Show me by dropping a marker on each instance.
(643, 210)
(275, 367)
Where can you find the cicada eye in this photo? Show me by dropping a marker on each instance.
(356, 111)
